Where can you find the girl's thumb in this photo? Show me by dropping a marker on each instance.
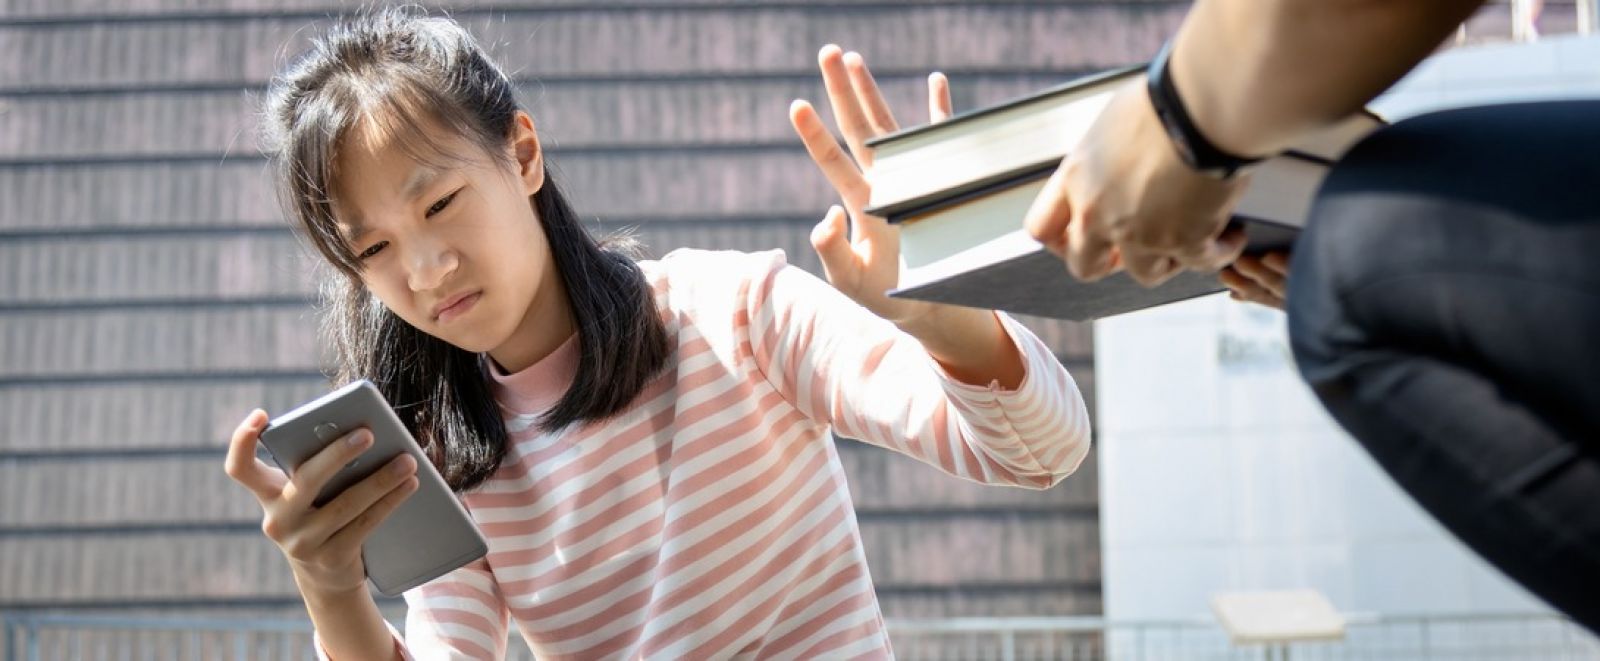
(832, 244)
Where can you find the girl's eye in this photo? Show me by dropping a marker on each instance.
(441, 204)
(375, 249)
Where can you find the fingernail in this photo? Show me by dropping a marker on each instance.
(398, 466)
(357, 437)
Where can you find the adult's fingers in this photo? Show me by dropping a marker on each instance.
(1278, 261)
(1254, 268)
(1213, 254)
(1243, 288)
(241, 463)
(1149, 269)
(1053, 221)
(1050, 214)
(1089, 251)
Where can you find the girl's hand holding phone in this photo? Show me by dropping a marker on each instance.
(322, 544)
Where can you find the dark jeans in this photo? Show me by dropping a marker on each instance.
(1444, 304)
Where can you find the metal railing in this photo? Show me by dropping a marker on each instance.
(1525, 16)
(1439, 637)
(1431, 637)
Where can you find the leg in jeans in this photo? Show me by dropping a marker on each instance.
(1444, 304)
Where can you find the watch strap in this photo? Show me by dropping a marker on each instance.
(1192, 146)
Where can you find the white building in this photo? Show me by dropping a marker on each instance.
(1221, 472)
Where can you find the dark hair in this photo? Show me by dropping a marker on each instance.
(392, 70)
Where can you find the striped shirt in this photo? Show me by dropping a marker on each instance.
(711, 518)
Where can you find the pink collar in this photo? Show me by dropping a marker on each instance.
(540, 385)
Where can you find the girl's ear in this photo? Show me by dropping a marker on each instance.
(530, 159)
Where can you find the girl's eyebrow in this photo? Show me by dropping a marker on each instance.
(355, 232)
(419, 181)
(416, 184)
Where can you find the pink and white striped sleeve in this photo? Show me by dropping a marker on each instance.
(458, 616)
(840, 364)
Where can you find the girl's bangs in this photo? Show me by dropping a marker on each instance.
(392, 111)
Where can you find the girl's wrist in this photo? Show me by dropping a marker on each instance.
(942, 322)
(322, 593)
(971, 345)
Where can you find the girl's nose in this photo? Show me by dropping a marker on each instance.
(431, 261)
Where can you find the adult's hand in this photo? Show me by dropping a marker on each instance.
(1123, 198)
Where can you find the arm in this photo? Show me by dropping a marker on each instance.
(347, 624)
(1254, 74)
(969, 391)
(458, 616)
(971, 345)
(840, 365)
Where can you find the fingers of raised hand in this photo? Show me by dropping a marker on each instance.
(841, 172)
(870, 98)
(831, 240)
(847, 108)
(939, 106)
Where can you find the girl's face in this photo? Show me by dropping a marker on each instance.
(456, 251)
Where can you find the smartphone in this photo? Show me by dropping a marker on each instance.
(429, 535)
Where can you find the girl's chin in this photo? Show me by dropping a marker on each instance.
(482, 341)
(470, 345)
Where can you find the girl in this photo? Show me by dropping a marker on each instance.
(645, 444)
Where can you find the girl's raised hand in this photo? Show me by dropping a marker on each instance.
(861, 256)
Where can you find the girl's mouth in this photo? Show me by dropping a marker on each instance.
(457, 306)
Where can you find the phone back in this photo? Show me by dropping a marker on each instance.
(430, 534)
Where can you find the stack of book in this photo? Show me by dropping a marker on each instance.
(958, 191)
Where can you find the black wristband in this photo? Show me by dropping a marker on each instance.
(1192, 146)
